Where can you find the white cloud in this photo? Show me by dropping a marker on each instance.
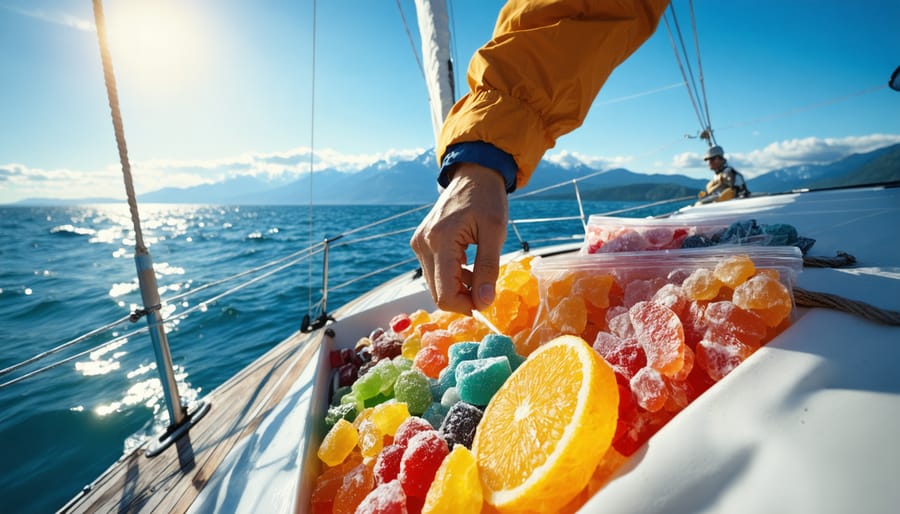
(568, 159)
(56, 18)
(20, 182)
(791, 152)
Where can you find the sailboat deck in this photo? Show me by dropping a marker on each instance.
(170, 481)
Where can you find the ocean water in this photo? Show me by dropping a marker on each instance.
(66, 271)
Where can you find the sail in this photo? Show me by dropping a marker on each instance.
(434, 31)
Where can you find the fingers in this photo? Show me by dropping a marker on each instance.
(487, 266)
(472, 210)
(451, 293)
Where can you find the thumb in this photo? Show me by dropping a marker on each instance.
(485, 270)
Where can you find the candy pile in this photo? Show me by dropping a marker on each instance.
(606, 234)
(669, 334)
(436, 414)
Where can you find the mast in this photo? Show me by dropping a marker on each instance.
(434, 30)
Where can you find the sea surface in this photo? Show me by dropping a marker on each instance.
(235, 281)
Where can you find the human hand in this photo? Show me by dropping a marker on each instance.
(472, 210)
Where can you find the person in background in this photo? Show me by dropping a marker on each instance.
(727, 183)
(534, 81)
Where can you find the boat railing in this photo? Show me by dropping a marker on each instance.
(243, 279)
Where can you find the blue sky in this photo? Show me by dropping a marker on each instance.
(213, 88)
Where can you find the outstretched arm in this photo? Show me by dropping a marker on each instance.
(533, 82)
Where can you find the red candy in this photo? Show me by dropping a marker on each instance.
(409, 428)
(421, 460)
(400, 322)
(387, 465)
(387, 498)
(659, 331)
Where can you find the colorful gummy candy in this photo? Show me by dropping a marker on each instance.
(407, 402)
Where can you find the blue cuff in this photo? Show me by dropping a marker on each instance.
(482, 153)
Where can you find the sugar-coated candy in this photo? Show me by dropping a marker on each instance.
(387, 498)
(451, 396)
(627, 241)
(701, 285)
(734, 270)
(649, 389)
(694, 323)
(371, 438)
(719, 359)
(479, 379)
(456, 487)
(460, 423)
(671, 296)
(660, 333)
(338, 443)
(642, 290)
(338, 394)
(765, 296)
(462, 351)
(378, 399)
(412, 387)
(388, 416)
(345, 411)
(402, 363)
(727, 319)
(619, 322)
(387, 464)
(358, 482)
(409, 428)
(347, 374)
(467, 329)
(421, 460)
(496, 345)
(435, 414)
(431, 360)
(437, 389)
(411, 345)
(626, 356)
(569, 316)
(328, 483)
(594, 289)
(440, 339)
(386, 346)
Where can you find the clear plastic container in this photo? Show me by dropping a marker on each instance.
(606, 234)
(670, 323)
(580, 294)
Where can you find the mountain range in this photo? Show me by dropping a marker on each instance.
(413, 182)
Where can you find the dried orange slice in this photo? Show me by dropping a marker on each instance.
(547, 428)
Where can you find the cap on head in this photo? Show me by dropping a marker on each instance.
(714, 151)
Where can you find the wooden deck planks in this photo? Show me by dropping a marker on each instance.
(171, 481)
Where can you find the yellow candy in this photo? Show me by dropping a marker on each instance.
(388, 416)
(456, 486)
(734, 270)
(338, 443)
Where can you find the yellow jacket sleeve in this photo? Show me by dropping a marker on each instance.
(536, 78)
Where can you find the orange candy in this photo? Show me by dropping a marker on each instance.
(569, 316)
(765, 296)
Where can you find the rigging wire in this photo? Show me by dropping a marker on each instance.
(312, 147)
(412, 42)
(697, 95)
(700, 68)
